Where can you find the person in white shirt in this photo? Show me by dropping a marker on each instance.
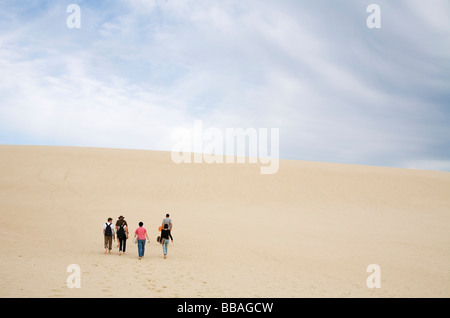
(108, 233)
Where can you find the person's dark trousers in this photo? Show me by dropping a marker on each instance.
(122, 244)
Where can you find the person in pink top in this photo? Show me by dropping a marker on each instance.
(141, 234)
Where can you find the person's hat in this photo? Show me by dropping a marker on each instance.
(121, 217)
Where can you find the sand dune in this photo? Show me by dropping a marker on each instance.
(309, 230)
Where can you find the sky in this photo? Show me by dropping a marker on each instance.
(136, 70)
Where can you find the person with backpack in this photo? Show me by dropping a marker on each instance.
(122, 234)
(120, 220)
(108, 233)
(165, 234)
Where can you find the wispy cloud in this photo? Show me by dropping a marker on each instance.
(337, 90)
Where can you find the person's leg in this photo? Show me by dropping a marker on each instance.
(124, 245)
(143, 248)
(110, 243)
(164, 246)
(140, 248)
(106, 243)
(120, 245)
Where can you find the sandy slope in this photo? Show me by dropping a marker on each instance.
(308, 231)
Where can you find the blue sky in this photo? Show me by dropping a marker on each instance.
(136, 70)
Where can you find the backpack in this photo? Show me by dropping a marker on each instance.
(121, 232)
(108, 231)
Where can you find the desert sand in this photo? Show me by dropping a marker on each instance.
(309, 230)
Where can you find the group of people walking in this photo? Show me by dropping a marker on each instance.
(140, 235)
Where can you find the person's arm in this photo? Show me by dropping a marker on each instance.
(170, 234)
